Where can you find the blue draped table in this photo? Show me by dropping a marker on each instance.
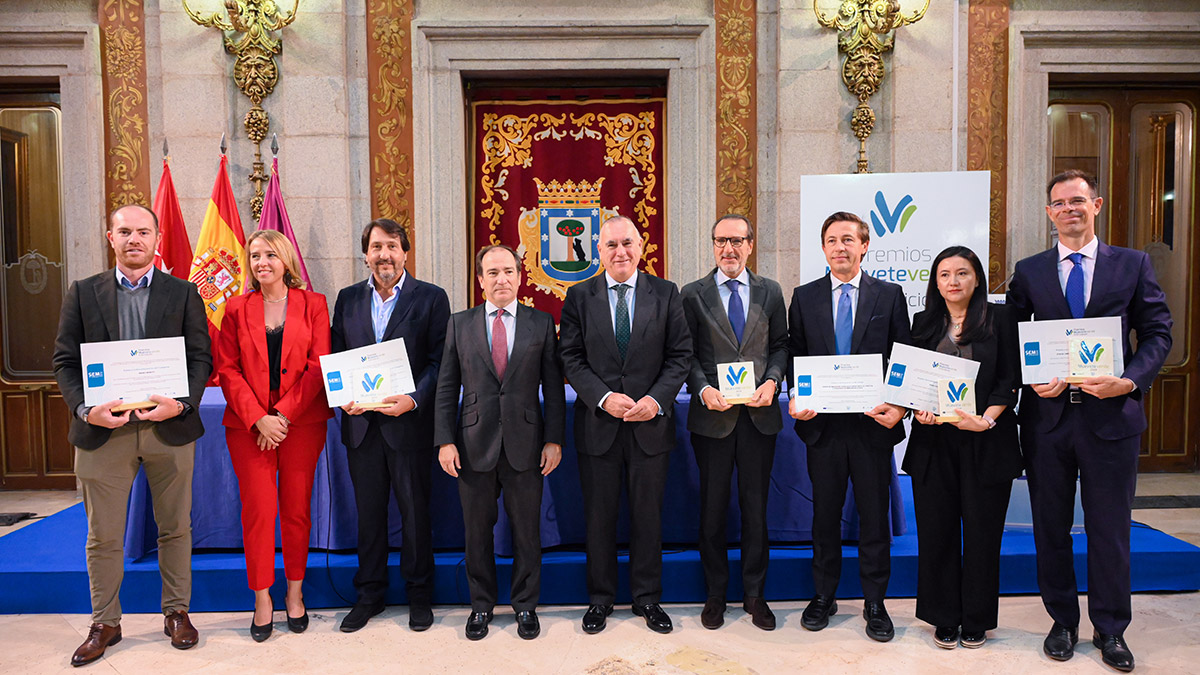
(216, 507)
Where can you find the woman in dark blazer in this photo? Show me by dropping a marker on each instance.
(275, 416)
(962, 472)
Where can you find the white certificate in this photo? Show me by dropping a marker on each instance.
(914, 377)
(132, 370)
(1046, 346)
(737, 381)
(852, 383)
(367, 374)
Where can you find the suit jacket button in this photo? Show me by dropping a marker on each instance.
(284, 371)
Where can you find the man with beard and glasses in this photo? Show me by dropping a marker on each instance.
(134, 302)
(391, 448)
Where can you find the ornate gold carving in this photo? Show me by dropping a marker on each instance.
(987, 115)
(736, 101)
(124, 58)
(389, 66)
(255, 72)
(864, 34)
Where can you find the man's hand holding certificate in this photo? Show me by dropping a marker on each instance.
(125, 375)
(374, 377)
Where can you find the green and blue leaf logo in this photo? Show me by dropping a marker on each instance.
(956, 394)
(735, 378)
(1089, 354)
(369, 383)
(886, 220)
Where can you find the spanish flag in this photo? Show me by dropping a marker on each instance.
(217, 266)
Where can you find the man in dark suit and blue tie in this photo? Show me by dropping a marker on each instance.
(848, 312)
(625, 348)
(1092, 432)
(735, 315)
(498, 354)
(390, 449)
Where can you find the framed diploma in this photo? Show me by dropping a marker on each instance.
(367, 375)
(1047, 352)
(852, 383)
(922, 379)
(132, 370)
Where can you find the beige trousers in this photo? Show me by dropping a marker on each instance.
(107, 475)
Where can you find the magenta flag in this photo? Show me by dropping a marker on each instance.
(275, 216)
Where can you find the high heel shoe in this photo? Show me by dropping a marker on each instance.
(298, 625)
(261, 633)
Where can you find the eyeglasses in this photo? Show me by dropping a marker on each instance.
(1073, 203)
(735, 242)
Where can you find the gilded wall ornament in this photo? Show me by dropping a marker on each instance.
(123, 55)
(248, 33)
(736, 106)
(864, 34)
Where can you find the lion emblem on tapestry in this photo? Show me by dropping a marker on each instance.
(548, 172)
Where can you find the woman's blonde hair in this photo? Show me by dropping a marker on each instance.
(286, 252)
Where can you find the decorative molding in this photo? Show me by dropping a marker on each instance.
(389, 82)
(737, 123)
(987, 116)
(123, 76)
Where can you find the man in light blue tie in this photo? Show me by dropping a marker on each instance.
(848, 312)
(735, 315)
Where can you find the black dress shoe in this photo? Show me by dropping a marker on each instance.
(973, 640)
(528, 626)
(1114, 650)
(420, 616)
(1060, 643)
(359, 615)
(946, 637)
(656, 619)
(299, 624)
(879, 624)
(477, 625)
(713, 614)
(760, 615)
(595, 617)
(260, 633)
(816, 615)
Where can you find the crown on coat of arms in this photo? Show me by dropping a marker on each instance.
(568, 194)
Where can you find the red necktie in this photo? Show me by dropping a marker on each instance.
(499, 345)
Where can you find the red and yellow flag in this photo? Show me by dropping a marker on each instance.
(217, 266)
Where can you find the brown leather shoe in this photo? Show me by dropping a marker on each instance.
(713, 614)
(98, 639)
(179, 628)
(760, 614)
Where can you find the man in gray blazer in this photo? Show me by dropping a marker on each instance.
(498, 354)
(735, 315)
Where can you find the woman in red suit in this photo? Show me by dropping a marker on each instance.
(275, 416)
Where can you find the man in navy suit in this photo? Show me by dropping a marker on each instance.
(1093, 431)
(391, 448)
(848, 312)
(626, 350)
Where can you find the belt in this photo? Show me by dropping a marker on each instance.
(1075, 396)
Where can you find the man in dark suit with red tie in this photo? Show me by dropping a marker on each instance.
(498, 354)
(391, 449)
(1092, 432)
(848, 312)
(735, 315)
(625, 348)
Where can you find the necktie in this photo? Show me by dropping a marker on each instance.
(499, 344)
(737, 313)
(1075, 286)
(843, 327)
(622, 323)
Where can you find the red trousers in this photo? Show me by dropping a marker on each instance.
(281, 478)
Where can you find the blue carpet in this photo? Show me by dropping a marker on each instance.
(42, 570)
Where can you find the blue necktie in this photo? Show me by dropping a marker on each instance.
(1075, 286)
(737, 313)
(843, 327)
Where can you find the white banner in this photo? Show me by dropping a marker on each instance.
(912, 217)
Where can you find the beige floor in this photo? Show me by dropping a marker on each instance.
(1165, 635)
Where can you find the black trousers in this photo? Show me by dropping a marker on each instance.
(375, 470)
(645, 477)
(960, 522)
(1107, 472)
(522, 491)
(830, 463)
(753, 453)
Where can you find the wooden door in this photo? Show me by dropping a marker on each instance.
(1140, 140)
(34, 452)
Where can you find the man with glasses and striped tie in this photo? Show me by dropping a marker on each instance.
(848, 312)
